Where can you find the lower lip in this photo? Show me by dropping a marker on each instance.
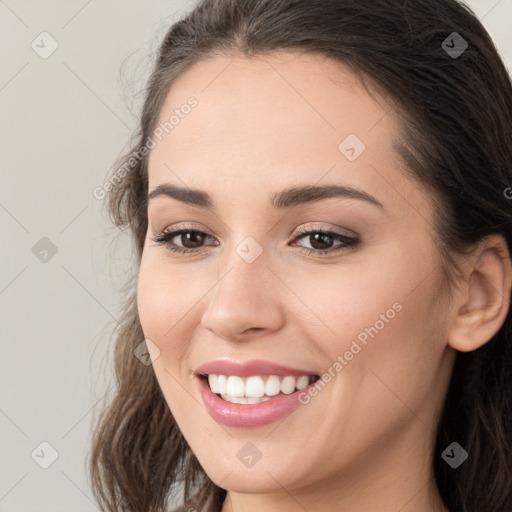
(248, 415)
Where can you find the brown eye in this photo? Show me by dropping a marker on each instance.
(322, 241)
(191, 240)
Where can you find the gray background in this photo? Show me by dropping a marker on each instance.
(64, 120)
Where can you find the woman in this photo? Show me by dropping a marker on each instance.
(318, 197)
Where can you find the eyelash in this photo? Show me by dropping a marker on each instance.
(165, 237)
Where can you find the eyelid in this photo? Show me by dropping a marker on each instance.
(185, 226)
(298, 231)
(322, 227)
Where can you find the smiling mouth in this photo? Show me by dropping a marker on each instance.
(257, 388)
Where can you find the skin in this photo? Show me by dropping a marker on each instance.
(365, 441)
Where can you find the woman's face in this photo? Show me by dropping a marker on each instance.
(365, 313)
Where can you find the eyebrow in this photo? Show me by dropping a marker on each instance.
(287, 198)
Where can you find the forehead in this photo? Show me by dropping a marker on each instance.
(274, 98)
(274, 121)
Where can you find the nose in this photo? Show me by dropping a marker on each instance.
(244, 302)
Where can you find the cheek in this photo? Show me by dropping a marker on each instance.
(165, 308)
(164, 294)
(351, 298)
(376, 320)
(165, 302)
(393, 356)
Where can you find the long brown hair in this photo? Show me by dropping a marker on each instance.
(456, 141)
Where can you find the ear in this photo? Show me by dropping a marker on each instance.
(484, 297)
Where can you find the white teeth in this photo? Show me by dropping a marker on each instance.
(272, 386)
(235, 387)
(255, 389)
(222, 384)
(288, 385)
(302, 382)
(213, 381)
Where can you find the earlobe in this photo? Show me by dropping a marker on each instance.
(484, 300)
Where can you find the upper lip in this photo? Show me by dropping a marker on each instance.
(248, 368)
